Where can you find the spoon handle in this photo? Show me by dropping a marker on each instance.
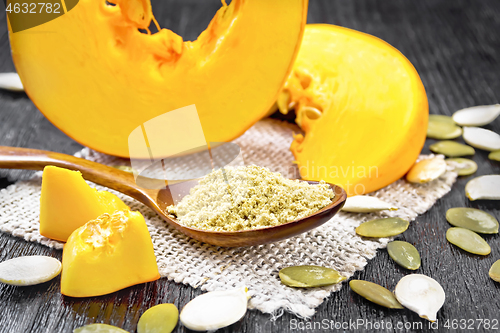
(33, 159)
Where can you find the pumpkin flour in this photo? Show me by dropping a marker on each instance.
(250, 197)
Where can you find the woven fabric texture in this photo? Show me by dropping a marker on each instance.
(184, 260)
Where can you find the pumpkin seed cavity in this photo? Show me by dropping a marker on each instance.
(495, 271)
(98, 328)
(308, 276)
(11, 81)
(442, 127)
(214, 310)
(404, 254)
(29, 270)
(426, 170)
(462, 166)
(482, 138)
(375, 293)
(366, 204)
(472, 219)
(494, 155)
(421, 294)
(468, 241)
(477, 116)
(161, 318)
(483, 188)
(384, 227)
(451, 149)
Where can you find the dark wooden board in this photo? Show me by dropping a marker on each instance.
(454, 45)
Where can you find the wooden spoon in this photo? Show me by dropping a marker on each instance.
(158, 199)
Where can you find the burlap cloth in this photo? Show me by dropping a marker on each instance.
(210, 268)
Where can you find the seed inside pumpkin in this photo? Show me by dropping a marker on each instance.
(404, 254)
(472, 219)
(384, 227)
(468, 241)
(462, 166)
(309, 276)
(375, 293)
(451, 149)
(442, 127)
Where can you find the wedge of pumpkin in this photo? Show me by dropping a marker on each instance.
(362, 106)
(97, 77)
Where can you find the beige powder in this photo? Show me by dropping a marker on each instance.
(250, 197)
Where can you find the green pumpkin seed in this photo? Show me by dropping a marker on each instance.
(375, 293)
(462, 166)
(442, 127)
(426, 170)
(98, 328)
(309, 276)
(494, 155)
(404, 254)
(451, 149)
(385, 227)
(495, 271)
(468, 241)
(472, 219)
(161, 318)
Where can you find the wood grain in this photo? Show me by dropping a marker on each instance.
(453, 44)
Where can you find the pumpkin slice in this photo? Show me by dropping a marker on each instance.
(361, 105)
(97, 77)
(67, 202)
(107, 254)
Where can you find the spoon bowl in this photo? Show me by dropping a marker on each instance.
(159, 199)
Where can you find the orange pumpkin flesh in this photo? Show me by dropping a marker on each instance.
(362, 106)
(97, 77)
(67, 203)
(107, 254)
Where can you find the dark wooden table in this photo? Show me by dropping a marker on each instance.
(455, 46)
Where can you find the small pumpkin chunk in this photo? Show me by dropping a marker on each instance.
(68, 202)
(107, 254)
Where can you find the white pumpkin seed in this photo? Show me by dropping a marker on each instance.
(468, 241)
(215, 309)
(98, 328)
(308, 276)
(375, 293)
(451, 149)
(442, 127)
(494, 155)
(11, 81)
(404, 254)
(29, 270)
(495, 271)
(483, 188)
(462, 166)
(384, 227)
(421, 294)
(426, 170)
(366, 204)
(472, 219)
(481, 138)
(477, 115)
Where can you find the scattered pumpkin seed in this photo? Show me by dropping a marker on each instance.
(29, 270)
(451, 148)
(495, 271)
(468, 241)
(483, 188)
(472, 219)
(462, 166)
(11, 81)
(384, 227)
(477, 115)
(308, 276)
(494, 155)
(98, 328)
(215, 309)
(375, 293)
(481, 138)
(125, 168)
(366, 204)
(442, 127)
(426, 170)
(404, 254)
(421, 294)
(161, 318)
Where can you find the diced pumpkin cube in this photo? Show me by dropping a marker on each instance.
(68, 202)
(107, 254)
